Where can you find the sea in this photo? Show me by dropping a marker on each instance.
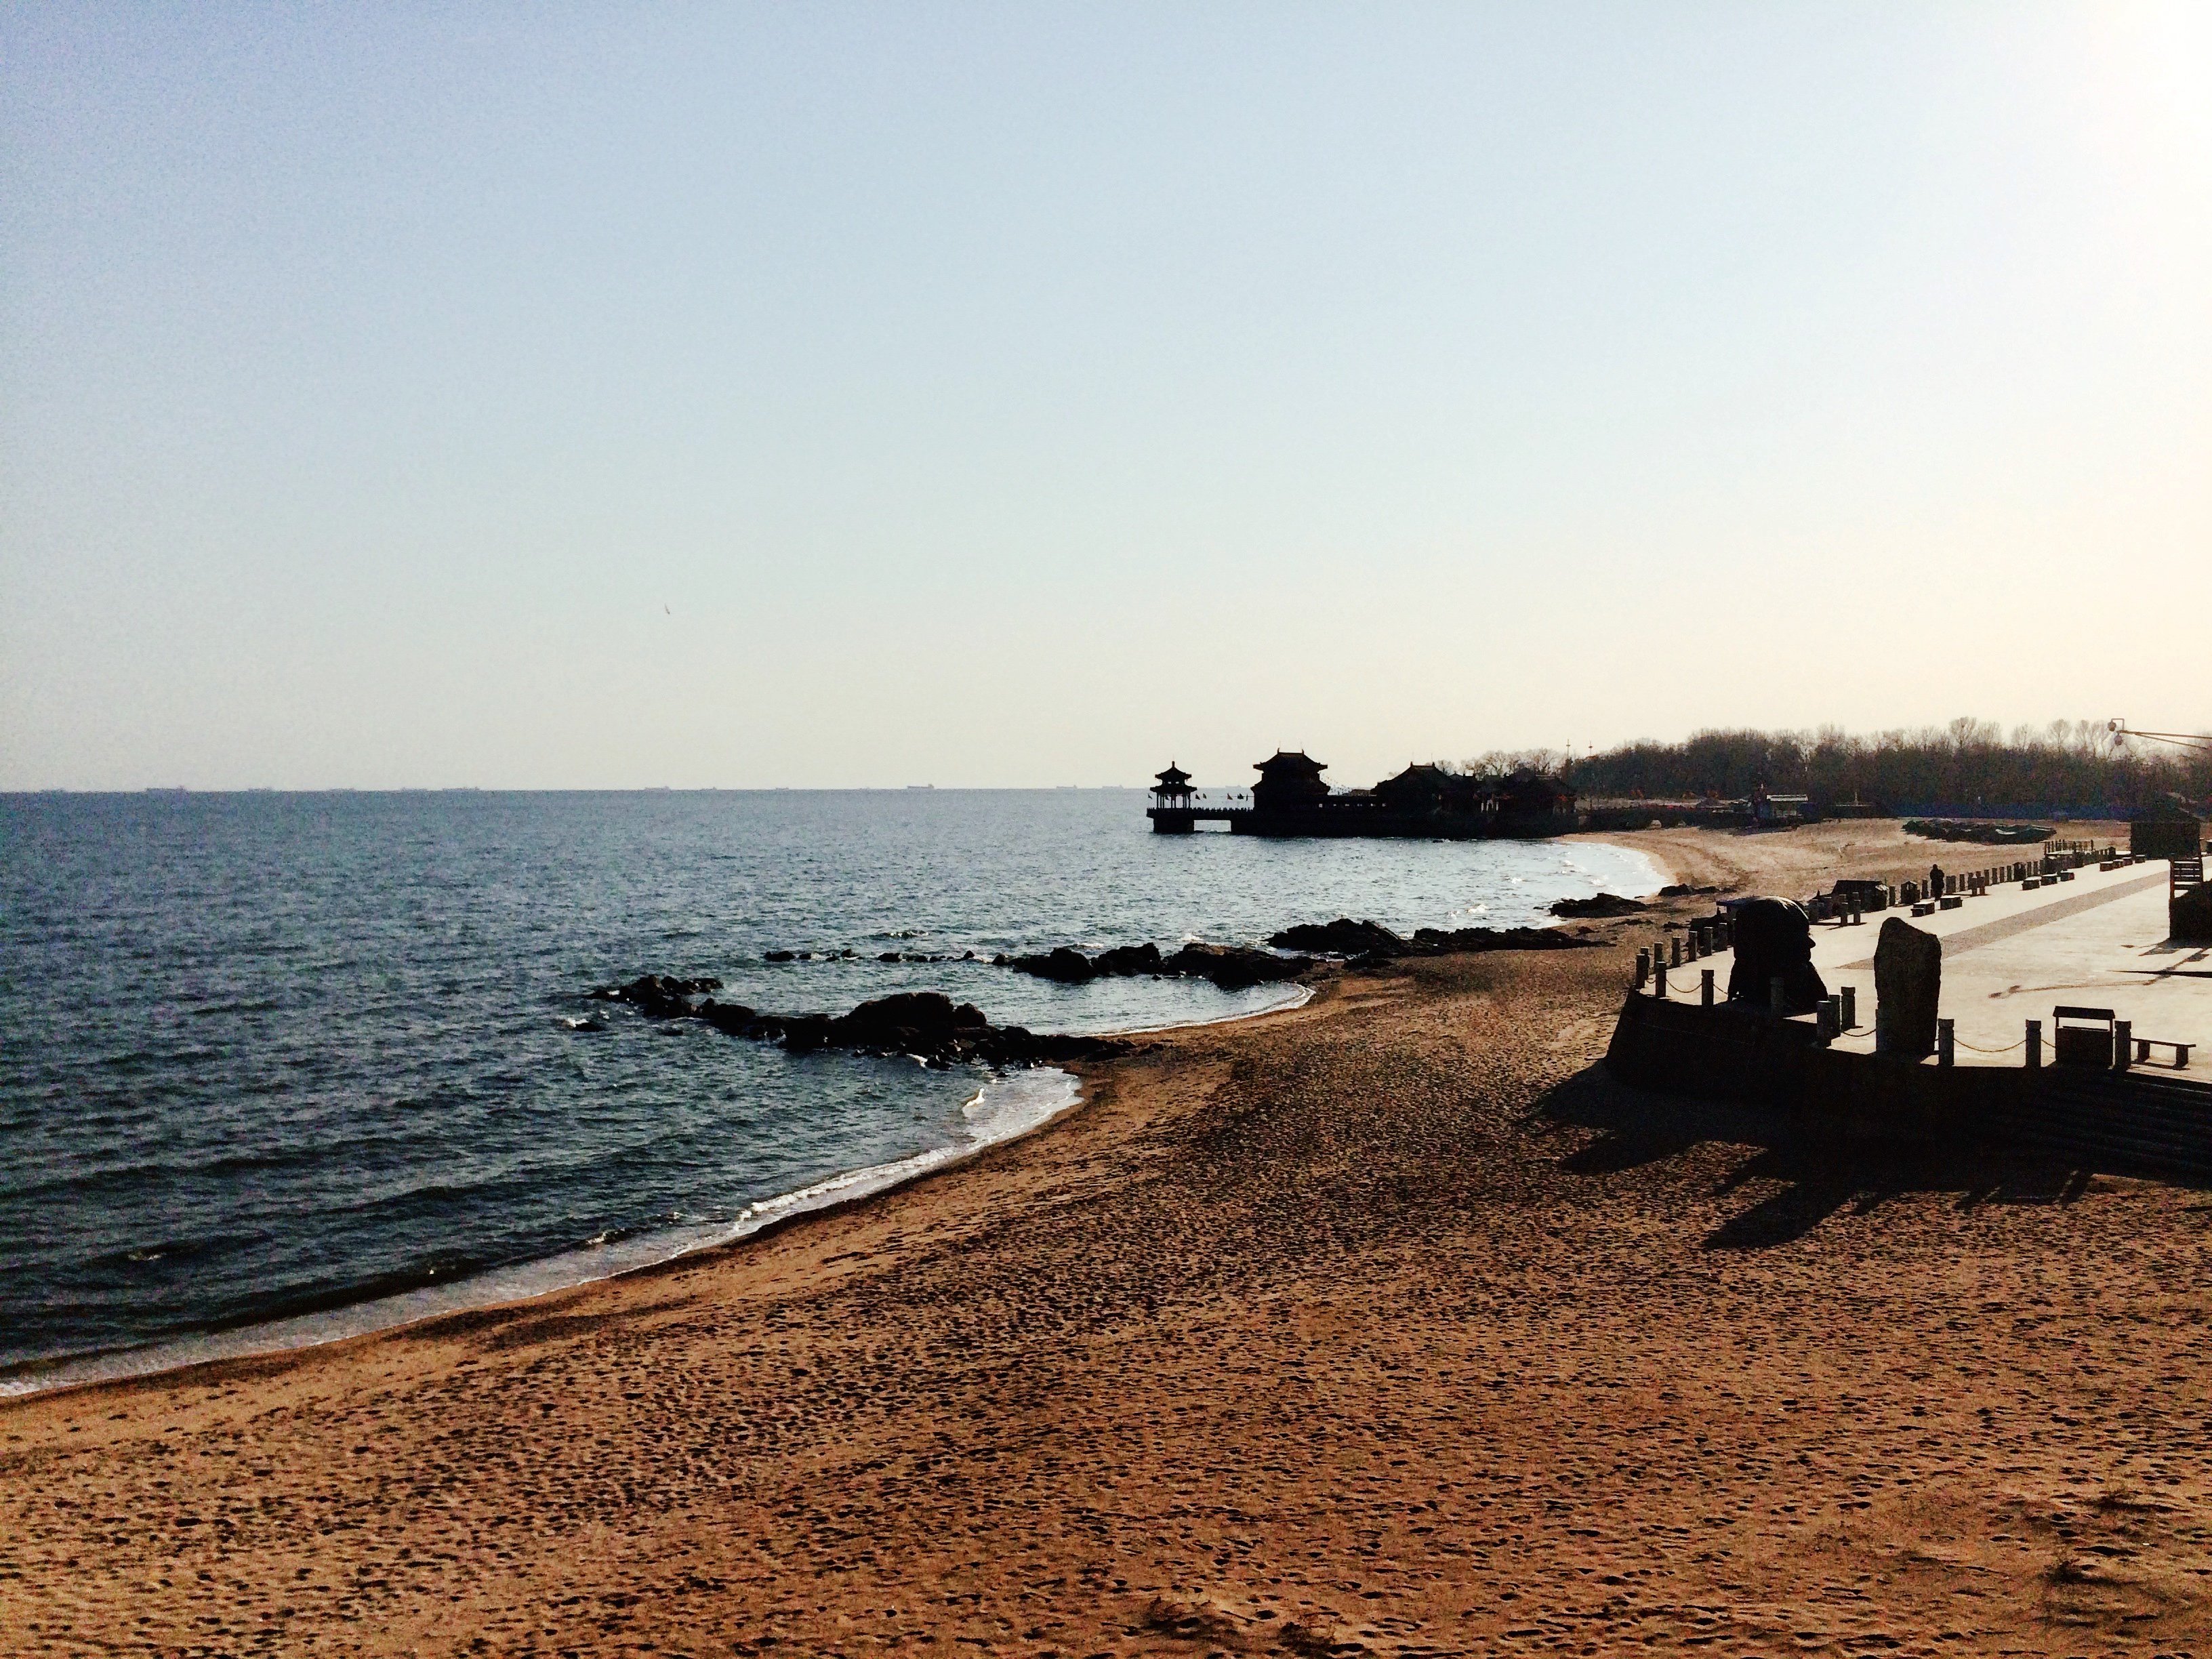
(277, 1068)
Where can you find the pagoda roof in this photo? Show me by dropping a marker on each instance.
(1287, 761)
(1173, 774)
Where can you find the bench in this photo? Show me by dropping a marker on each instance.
(2145, 1045)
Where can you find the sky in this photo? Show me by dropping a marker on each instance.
(559, 395)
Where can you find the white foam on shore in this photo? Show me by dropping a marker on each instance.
(1005, 1108)
(1009, 1106)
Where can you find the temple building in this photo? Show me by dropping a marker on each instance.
(1288, 782)
(1292, 799)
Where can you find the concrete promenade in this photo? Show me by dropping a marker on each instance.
(2011, 956)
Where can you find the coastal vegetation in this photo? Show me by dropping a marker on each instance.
(1967, 764)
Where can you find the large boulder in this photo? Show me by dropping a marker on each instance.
(1603, 904)
(1341, 937)
(656, 996)
(1065, 966)
(1908, 985)
(1233, 967)
(1128, 960)
(1469, 941)
(907, 1021)
(1773, 939)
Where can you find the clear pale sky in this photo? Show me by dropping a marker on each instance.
(1027, 394)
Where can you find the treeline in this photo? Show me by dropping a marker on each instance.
(1968, 763)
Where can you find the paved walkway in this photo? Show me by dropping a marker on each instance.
(2012, 955)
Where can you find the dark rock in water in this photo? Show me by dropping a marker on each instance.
(925, 1024)
(1341, 937)
(780, 955)
(1233, 967)
(732, 1018)
(1773, 939)
(657, 996)
(1467, 941)
(909, 1017)
(1676, 890)
(931, 1026)
(587, 1024)
(803, 1034)
(1128, 960)
(1908, 985)
(1369, 943)
(1604, 904)
(1065, 966)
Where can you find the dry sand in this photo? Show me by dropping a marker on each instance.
(1387, 1325)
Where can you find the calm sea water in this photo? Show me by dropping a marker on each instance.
(263, 1054)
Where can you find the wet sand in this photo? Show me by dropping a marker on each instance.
(1385, 1325)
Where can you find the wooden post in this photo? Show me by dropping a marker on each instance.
(2123, 1044)
(1847, 997)
(1944, 1040)
(2035, 1045)
(1704, 988)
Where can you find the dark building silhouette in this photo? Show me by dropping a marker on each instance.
(1171, 789)
(1288, 782)
(1292, 799)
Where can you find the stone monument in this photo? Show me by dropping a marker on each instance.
(1908, 983)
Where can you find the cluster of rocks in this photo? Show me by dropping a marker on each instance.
(1231, 967)
(855, 956)
(928, 1025)
(1604, 904)
(1370, 941)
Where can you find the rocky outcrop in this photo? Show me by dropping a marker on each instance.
(1602, 905)
(656, 996)
(928, 1025)
(1341, 937)
(1465, 941)
(1370, 941)
(1065, 966)
(1232, 966)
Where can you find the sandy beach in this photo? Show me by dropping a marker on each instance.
(1385, 1325)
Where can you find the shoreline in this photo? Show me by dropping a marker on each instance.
(1385, 1323)
(519, 1284)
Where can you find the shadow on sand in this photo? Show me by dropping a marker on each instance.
(1823, 1173)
